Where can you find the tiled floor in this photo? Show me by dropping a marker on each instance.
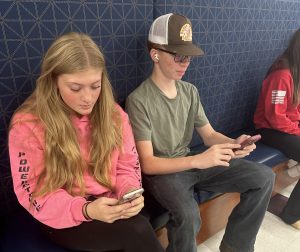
(273, 236)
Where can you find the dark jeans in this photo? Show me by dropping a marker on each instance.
(175, 192)
(290, 146)
(131, 235)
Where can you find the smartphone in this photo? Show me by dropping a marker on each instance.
(248, 141)
(131, 195)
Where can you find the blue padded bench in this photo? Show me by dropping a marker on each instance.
(20, 231)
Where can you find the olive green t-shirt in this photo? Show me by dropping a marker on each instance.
(167, 123)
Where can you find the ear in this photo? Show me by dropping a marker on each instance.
(154, 55)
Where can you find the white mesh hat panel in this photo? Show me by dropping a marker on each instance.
(158, 33)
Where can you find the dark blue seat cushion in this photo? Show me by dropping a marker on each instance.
(21, 232)
(266, 155)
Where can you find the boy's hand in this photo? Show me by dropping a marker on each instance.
(218, 154)
(247, 150)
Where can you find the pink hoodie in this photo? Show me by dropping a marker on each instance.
(59, 209)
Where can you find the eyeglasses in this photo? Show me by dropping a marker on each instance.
(177, 58)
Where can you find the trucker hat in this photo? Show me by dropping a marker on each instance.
(174, 33)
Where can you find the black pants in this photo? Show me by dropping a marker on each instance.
(290, 146)
(131, 235)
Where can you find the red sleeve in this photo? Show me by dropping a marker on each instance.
(128, 166)
(58, 209)
(278, 98)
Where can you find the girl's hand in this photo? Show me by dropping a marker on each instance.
(107, 209)
(136, 206)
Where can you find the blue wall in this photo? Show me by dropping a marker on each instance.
(240, 39)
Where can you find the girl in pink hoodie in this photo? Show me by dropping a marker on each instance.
(73, 155)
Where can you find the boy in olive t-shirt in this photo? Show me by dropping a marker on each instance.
(164, 111)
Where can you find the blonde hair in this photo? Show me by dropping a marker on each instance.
(64, 164)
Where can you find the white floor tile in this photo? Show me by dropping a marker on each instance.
(273, 236)
(203, 248)
(288, 190)
(213, 243)
(293, 247)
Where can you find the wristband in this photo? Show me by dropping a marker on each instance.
(84, 211)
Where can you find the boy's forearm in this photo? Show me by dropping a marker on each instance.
(218, 138)
(156, 165)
